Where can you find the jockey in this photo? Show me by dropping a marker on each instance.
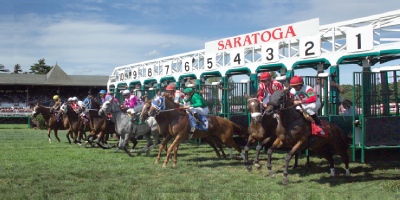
(87, 102)
(129, 103)
(176, 94)
(105, 96)
(74, 103)
(267, 87)
(56, 106)
(198, 105)
(307, 97)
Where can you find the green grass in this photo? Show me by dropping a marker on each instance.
(32, 168)
(13, 126)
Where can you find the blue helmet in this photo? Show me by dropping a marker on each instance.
(102, 92)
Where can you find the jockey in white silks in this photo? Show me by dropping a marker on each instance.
(307, 97)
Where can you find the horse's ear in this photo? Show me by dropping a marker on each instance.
(246, 96)
(286, 85)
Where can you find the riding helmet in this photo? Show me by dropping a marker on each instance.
(296, 80)
(265, 76)
(102, 92)
(126, 92)
(188, 90)
(170, 87)
(56, 97)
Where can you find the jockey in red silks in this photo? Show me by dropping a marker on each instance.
(176, 94)
(267, 87)
(307, 97)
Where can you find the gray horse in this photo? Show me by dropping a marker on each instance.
(123, 124)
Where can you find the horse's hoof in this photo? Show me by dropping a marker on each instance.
(164, 166)
(271, 174)
(285, 181)
(249, 168)
(131, 155)
(258, 166)
(156, 162)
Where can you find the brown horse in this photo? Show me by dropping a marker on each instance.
(262, 129)
(50, 120)
(294, 130)
(100, 127)
(174, 122)
(76, 124)
(212, 140)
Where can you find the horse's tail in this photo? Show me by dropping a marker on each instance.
(240, 130)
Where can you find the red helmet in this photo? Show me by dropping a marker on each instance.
(170, 87)
(296, 80)
(265, 76)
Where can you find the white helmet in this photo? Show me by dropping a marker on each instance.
(74, 98)
(70, 99)
(126, 92)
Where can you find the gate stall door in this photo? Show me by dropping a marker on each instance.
(213, 96)
(234, 102)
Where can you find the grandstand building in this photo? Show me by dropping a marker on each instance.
(24, 90)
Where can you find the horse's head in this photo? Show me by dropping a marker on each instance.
(280, 99)
(63, 109)
(144, 115)
(109, 106)
(254, 106)
(157, 104)
(36, 110)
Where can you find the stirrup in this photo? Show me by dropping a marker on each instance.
(192, 129)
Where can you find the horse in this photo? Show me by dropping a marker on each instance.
(174, 122)
(123, 124)
(50, 120)
(76, 123)
(100, 127)
(213, 141)
(262, 128)
(294, 130)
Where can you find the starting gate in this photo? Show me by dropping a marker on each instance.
(363, 41)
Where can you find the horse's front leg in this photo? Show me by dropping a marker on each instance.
(246, 152)
(288, 157)
(276, 143)
(258, 149)
(163, 146)
(68, 134)
(48, 134)
(174, 145)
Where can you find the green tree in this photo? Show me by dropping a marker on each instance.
(3, 69)
(17, 69)
(40, 67)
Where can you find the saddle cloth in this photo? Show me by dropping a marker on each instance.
(316, 130)
(203, 120)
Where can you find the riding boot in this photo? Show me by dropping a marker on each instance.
(196, 118)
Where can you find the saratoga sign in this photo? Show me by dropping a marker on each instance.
(292, 31)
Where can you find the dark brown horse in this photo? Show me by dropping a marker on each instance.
(174, 122)
(50, 120)
(294, 130)
(76, 123)
(262, 128)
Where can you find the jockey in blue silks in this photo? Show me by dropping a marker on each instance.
(105, 97)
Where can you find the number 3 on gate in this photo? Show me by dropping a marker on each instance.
(270, 52)
(360, 39)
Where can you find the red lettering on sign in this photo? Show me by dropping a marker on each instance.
(255, 38)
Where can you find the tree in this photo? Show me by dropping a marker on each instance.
(17, 69)
(40, 67)
(3, 69)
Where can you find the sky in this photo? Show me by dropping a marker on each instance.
(92, 37)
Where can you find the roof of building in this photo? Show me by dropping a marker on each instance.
(55, 77)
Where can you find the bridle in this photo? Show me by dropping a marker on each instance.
(159, 104)
(255, 115)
